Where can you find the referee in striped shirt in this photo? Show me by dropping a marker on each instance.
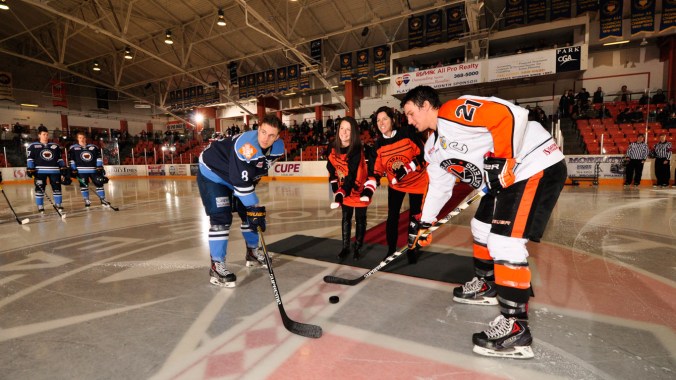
(636, 156)
(662, 153)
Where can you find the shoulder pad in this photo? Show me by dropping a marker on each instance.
(246, 146)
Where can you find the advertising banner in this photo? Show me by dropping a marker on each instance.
(585, 166)
(439, 77)
(522, 65)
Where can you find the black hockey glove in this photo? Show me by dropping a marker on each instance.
(100, 170)
(402, 171)
(334, 185)
(499, 173)
(66, 180)
(256, 217)
(30, 173)
(73, 173)
(338, 199)
(415, 230)
(369, 189)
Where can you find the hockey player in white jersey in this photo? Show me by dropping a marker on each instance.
(490, 142)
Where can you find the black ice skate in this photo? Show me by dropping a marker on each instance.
(221, 276)
(59, 206)
(476, 292)
(88, 204)
(41, 209)
(255, 258)
(505, 338)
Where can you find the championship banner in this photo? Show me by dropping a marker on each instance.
(59, 94)
(292, 73)
(559, 9)
(433, 27)
(642, 16)
(6, 86)
(316, 51)
(363, 64)
(270, 83)
(536, 10)
(232, 67)
(668, 15)
(101, 98)
(242, 87)
(282, 80)
(514, 12)
(380, 62)
(455, 25)
(610, 18)
(439, 77)
(304, 82)
(211, 94)
(586, 6)
(415, 31)
(250, 85)
(345, 67)
(261, 86)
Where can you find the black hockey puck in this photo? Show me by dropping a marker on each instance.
(334, 299)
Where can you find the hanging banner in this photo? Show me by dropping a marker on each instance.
(316, 51)
(270, 83)
(232, 67)
(346, 67)
(380, 62)
(292, 73)
(102, 98)
(536, 10)
(363, 64)
(261, 85)
(514, 12)
(59, 98)
(668, 15)
(415, 31)
(586, 6)
(6, 87)
(433, 27)
(455, 25)
(610, 18)
(282, 80)
(242, 87)
(439, 77)
(559, 9)
(304, 82)
(642, 16)
(251, 85)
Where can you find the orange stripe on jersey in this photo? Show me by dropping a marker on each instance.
(401, 152)
(512, 276)
(496, 117)
(525, 205)
(480, 251)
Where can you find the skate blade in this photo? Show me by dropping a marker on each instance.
(485, 301)
(255, 264)
(516, 352)
(217, 282)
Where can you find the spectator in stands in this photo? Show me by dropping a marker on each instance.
(598, 96)
(566, 103)
(636, 116)
(583, 95)
(645, 99)
(603, 113)
(635, 158)
(624, 94)
(662, 154)
(623, 116)
(581, 110)
(670, 122)
(659, 97)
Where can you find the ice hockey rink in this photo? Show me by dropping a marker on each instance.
(125, 294)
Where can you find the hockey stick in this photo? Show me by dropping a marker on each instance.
(303, 329)
(44, 193)
(103, 201)
(392, 257)
(22, 221)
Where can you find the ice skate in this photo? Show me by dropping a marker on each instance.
(104, 203)
(221, 276)
(88, 203)
(476, 292)
(505, 338)
(41, 209)
(255, 258)
(59, 206)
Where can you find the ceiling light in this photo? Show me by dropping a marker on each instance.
(3, 5)
(644, 42)
(384, 78)
(96, 66)
(167, 39)
(221, 18)
(127, 53)
(616, 43)
(27, 104)
(335, 86)
(290, 93)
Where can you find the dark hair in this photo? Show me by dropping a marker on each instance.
(83, 133)
(419, 95)
(272, 121)
(388, 111)
(355, 140)
(42, 128)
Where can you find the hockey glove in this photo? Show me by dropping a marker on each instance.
(100, 170)
(73, 173)
(415, 230)
(338, 199)
(256, 217)
(334, 185)
(30, 173)
(369, 189)
(66, 180)
(402, 171)
(499, 173)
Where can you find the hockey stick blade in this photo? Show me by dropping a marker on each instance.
(298, 328)
(392, 257)
(23, 221)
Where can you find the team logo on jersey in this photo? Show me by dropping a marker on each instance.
(248, 151)
(466, 171)
(86, 156)
(397, 161)
(47, 155)
(446, 145)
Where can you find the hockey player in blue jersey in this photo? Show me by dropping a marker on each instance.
(45, 161)
(85, 164)
(229, 169)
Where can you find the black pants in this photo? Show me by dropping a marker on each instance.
(395, 199)
(633, 172)
(360, 228)
(662, 171)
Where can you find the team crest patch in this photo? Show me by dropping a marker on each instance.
(248, 151)
(86, 156)
(466, 171)
(47, 155)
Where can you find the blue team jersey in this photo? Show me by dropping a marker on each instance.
(45, 158)
(85, 158)
(238, 162)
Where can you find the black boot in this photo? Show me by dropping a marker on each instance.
(355, 248)
(412, 254)
(347, 232)
(360, 231)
